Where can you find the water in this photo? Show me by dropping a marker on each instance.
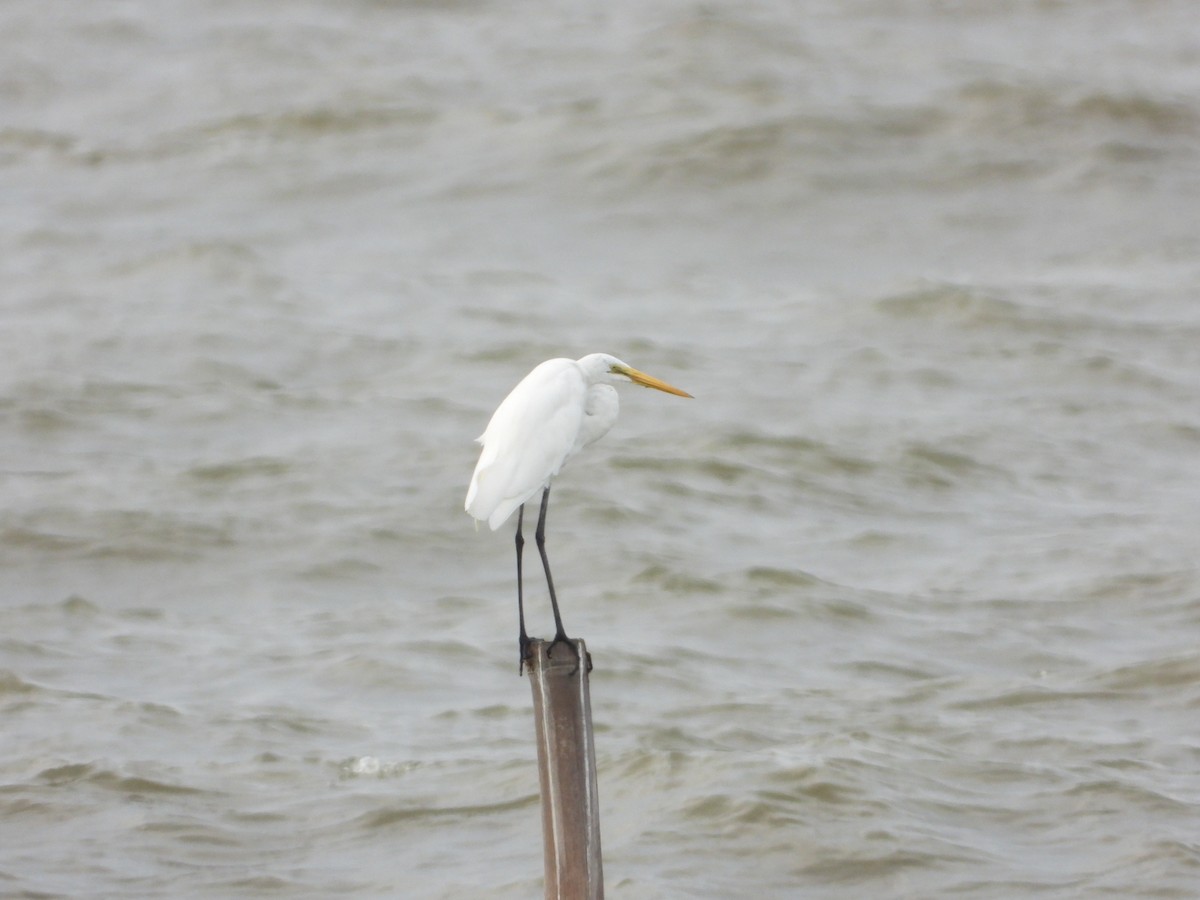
(905, 603)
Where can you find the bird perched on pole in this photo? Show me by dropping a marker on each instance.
(559, 408)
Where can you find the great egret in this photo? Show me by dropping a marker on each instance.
(558, 409)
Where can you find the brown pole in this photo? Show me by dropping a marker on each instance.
(562, 710)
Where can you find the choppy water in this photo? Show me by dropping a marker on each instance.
(905, 604)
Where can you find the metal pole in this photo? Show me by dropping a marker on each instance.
(562, 711)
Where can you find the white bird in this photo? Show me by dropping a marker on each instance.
(558, 409)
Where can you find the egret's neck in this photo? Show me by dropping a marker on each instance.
(599, 413)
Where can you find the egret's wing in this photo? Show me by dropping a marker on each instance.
(527, 440)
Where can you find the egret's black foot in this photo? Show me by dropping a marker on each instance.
(526, 654)
(561, 638)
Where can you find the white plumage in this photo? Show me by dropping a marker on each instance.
(557, 409)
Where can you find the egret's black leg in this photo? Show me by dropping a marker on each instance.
(560, 636)
(522, 638)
